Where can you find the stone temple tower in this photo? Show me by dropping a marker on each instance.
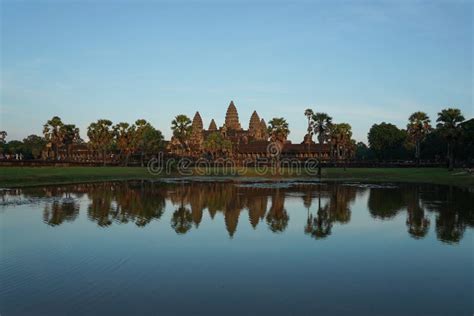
(255, 126)
(212, 126)
(197, 137)
(232, 118)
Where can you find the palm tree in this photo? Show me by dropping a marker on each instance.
(3, 136)
(181, 126)
(418, 127)
(322, 124)
(309, 115)
(309, 136)
(70, 135)
(341, 140)
(54, 134)
(278, 130)
(277, 217)
(126, 138)
(448, 123)
(100, 136)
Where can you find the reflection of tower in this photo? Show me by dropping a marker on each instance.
(233, 206)
(212, 211)
(197, 204)
(257, 207)
(231, 218)
(197, 214)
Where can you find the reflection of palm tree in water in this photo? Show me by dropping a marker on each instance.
(60, 211)
(339, 203)
(124, 202)
(336, 210)
(141, 202)
(454, 215)
(417, 223)
(100, 207)
(277, 217)
(182, 218)
(319, 227)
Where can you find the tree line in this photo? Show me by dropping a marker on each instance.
(104, 137)
(452, 137)
(337, 135)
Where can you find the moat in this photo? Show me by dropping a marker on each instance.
(236, 248)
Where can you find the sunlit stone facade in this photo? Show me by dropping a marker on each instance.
(246, 144)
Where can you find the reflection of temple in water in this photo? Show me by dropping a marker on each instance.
(141, 202)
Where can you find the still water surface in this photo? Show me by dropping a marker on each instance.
(225, 248)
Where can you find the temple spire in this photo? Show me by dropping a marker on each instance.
(254, 126)
(197, 122)
(254, 123)
(232, 118)
(197, 133)
(212, 126)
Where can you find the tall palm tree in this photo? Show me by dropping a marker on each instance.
(418, 127)
(278, 131)
(181, 127)
(53, 133)
(340, 136)
(70, 135)
(309, 115)
(309, 136)
(322, 124)
(126, 138)
(100, 136)
(449, 124)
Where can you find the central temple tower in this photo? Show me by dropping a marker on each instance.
(232, 118)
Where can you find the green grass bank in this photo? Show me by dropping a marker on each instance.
(31, 176)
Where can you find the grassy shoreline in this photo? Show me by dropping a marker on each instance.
(12, 177)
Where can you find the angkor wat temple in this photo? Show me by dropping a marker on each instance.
(251, 143)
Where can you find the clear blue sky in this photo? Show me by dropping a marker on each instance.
(361, 62)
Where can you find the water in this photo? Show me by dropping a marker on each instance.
(220, 248)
